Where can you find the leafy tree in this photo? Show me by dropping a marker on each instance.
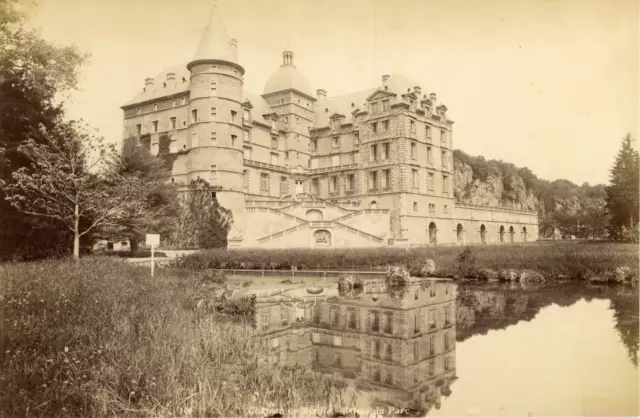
(203, 222)
(623, 192)
(160, 197)
(34, 75)
(70, 178)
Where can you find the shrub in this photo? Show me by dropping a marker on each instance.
(465, 263)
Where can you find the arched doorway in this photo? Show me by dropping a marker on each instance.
(501, 234)
(512, 234)
(433, 234)
(373, 205)
(460, 234)
(524, 234)
(322, 238)
(483, 234)
(314, 215)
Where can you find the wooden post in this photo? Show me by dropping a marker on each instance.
(153, 260)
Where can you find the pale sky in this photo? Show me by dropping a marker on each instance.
(547, 84)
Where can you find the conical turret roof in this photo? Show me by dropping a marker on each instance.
(215, 43)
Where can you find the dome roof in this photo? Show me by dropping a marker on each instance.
(288, 77)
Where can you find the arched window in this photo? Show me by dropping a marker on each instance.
(433, 234)
(314, 215)
(483, 234)
(512, 233)
(501, 234)
(460, 234)
(373, 205)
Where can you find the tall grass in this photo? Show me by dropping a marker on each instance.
(568, 260)
(102, 338)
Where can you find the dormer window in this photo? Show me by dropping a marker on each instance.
(385, 105)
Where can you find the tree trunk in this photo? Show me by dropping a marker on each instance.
(76, 234)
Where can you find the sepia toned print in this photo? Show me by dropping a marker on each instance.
(319, 208)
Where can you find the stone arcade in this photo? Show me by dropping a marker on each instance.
(298, 169)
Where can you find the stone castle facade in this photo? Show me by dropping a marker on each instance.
(303, 169)
(396, 348)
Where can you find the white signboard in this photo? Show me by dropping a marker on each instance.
(153, 239)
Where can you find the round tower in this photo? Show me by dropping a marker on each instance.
(215, 132)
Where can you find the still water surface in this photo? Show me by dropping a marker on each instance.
(446, 349)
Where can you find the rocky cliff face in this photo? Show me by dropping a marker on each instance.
(572, 209)
(494, 190)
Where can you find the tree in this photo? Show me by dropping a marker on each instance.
(160, 197)
(623, 192)
(34, 75)
(203, 222)
(70, 179)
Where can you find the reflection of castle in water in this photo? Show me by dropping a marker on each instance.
(398, 348)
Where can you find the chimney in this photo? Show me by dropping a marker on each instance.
(148, 81)
(417, 89)
(321, 94)
(385, 78)
(432, 96)
(171, 76)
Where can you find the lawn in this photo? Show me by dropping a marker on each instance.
(103, 338)
(564, 260)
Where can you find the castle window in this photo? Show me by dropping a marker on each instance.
(374, 126)
(447, 315)
(356, 136)
(214, 86)
(183, 101)
(333, 184)
(234, 141)
(374, 152)
(373, 180)
(234, 116)
(336, 141)
(214, 138)
(427, 129)
(337, 340)
(429, 156)
(375, 326)
(194, 140)
(173, 103)
(350, 181)
(386, 178)
(432, 208)
(445, 209)
(415, 208)
(245, 136)
(444, 159)
(431, 181)
(214, 112)
(352, 318)
(388, 323)
(284, 186)
(172, 123)
(137, 111)
(281, 101)
(385, 105)
(446, 341)
(274, 143)
(247, 153)
(445, 185)
(155, 107)
(274, 158)
(385, 151)
(315, 186)
(314, 145)
(432, 366)
(155, 125)
(414, 179)
(246, 115)
(413, 150)
(432, 322)
(297, 120)
(213, 173)
(443, 137)
(194, 115)
(286, 155)
(139, 129)
(385, 125)
(264, 182)
(447, 363)
(335, 160)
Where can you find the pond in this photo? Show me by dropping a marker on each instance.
(442, 348)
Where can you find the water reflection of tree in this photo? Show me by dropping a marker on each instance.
(482, 308)
(625, 311)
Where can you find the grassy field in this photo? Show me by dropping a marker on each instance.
(564, 260)
(102, 338)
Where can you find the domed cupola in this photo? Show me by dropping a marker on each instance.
(288, 77)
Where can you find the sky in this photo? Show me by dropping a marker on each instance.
(547, 84)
